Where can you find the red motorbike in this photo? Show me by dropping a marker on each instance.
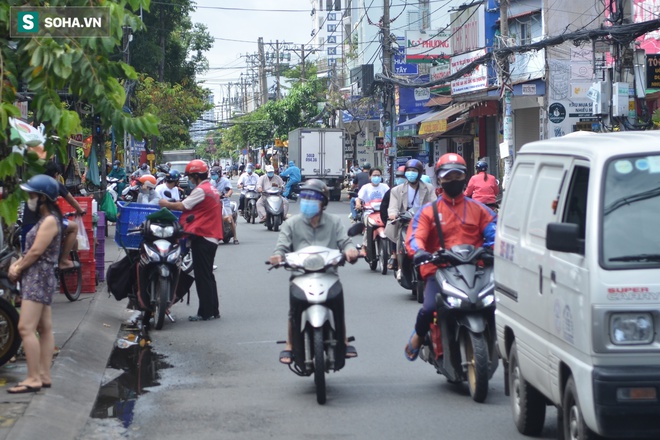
(377, 251)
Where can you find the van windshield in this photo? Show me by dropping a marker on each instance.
(631, 203)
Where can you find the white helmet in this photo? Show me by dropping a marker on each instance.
(270, 169)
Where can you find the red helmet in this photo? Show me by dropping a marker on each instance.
(401, 171)
(148, 178)
(450, 162)
(197, 166)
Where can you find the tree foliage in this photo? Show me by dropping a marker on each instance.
(175, 106)
(46, 70)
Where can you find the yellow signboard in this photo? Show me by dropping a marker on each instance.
(433, 127)
(151, 156)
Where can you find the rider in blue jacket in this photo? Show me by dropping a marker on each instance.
(293, 173)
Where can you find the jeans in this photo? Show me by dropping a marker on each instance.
(353, 210)
(425, 315)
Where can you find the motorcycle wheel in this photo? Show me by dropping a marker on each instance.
(253, 213)
(161, 292)
(371, 244)
(269, 222)
(277, 221)
(382, 252)
(10, 340)
(527, 404)
(186, 263)
(476, 357)
(319, 366)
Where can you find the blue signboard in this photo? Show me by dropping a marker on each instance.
(400, 65)
(412, 100)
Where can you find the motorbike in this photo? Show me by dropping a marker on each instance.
(377, 252)
(113, 185)
(250, 208)
(407, 274)
(158, 268)
(294, 191)
(10, 339)
(227, 232)
(461, 341)
(274, 208)
(318, 345)
(131, 191)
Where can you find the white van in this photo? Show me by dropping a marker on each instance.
(577, 275)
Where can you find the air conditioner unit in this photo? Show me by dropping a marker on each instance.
(620, 91)
(599, 94)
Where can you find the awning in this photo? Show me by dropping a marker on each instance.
(439, 122)
(409, 127)
(439, 100)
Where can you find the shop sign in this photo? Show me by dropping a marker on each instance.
(433, 127)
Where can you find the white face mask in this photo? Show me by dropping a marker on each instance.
(32, 204)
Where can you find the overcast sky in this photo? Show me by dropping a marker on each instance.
(226, 24)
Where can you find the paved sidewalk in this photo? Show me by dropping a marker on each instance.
(86, 331)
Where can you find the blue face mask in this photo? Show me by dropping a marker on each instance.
(309, 208)
(114, 167)
(249, 170)
(412, 176)
(375, 180)
(191, 185)
(269, 174)
(399, 180)
(215, 176)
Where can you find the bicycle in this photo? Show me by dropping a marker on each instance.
(71, 278)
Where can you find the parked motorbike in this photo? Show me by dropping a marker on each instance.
(377, 252)
(461, 341)
(274, 208)
(407, 274)
(10, 339)
(159, 267)
(250, 208)
(317, 324)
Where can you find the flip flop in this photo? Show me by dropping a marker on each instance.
(351, 352)
(286, 354)
(236, 242)
(408, 351)
(24, 389)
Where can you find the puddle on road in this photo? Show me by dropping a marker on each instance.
(140, 366)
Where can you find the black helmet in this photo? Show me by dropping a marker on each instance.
(318, 186)
(116, 163)
(366, 166)
(414, 163)
(42, 184)
(216, 169)
(482, 166)
(173, 176)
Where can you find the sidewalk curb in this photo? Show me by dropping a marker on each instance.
(62, 412)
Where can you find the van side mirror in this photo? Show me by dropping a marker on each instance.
(564, 237)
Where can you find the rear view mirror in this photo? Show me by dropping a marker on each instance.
(564, 237)
(356, 229)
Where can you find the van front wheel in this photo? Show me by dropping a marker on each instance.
(527, 403)
(574, 426)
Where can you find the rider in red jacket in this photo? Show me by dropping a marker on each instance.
(483, 186)
(462, 220)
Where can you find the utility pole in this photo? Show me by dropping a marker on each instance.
(388, 93)
(504, 80)
(277, 70)
(302, 67)
(263, 84)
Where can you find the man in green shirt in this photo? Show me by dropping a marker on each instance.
(312, 227)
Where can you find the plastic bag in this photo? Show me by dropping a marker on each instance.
(108, 206)
(83, 242)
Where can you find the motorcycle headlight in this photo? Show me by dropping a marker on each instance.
(313, 263)
(152, 254)
(454, 302)
(173, 256)
(448, 288)
(487, 300)
(631, 328)
(161, 231)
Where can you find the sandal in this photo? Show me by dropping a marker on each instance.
(235, 241)
(410, 353)
(351, 352)
(390, 263)
(286, 354)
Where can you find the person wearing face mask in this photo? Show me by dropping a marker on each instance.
(199, 219)
(462, 221)
(147, 193)
(368, 193)
(118, 172)
(245, 179)
(266, 182)
(142, 171)
(313, 227)
(223, 185)
(294, 176)
(411, 195)
(36, 272)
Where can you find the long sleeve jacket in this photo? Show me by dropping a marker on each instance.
(399, 197)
